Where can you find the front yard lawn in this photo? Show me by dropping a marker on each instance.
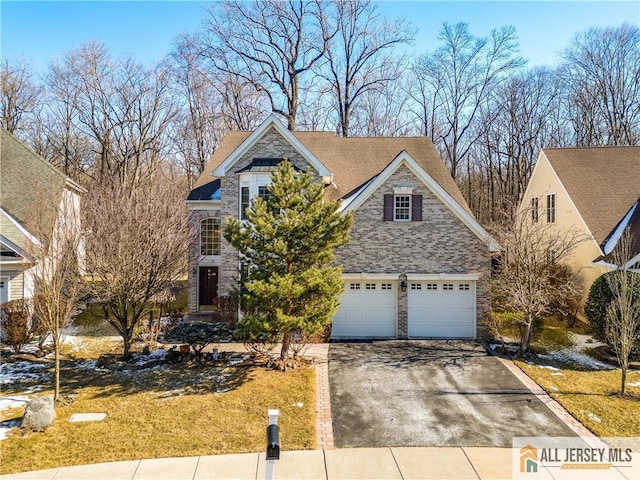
(166, 411)
(591, 396)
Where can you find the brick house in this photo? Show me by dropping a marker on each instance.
(417, 264)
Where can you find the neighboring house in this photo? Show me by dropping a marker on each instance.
(417, 264)
(27, 180)
(594, 192)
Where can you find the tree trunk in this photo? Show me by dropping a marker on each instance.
(286, 343)
(526, 335)
(126, 340)
(56, 371)
(623, 379)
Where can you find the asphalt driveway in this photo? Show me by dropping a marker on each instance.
(430, 393)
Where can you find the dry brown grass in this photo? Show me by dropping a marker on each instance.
(591, 397)
(168, 412)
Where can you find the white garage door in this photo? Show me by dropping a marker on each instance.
(442, 309)
(367, 310)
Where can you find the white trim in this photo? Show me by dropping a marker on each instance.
(405, 159)
(403, 190)
(472, 277)
(12, 246)
(271, 121)
(203, 204)
(22, 230)
(412, 276)
(617, 234)
(370, 276)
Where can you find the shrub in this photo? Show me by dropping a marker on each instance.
(228, 307)
(17, 329)
(600, 297)
(199, 334)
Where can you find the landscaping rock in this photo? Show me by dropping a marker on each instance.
(39, 414)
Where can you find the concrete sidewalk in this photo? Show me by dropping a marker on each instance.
(401, 463)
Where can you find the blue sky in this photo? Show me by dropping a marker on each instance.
(42, 31)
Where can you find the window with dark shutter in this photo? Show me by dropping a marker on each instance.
(388, 208)
(416, 208)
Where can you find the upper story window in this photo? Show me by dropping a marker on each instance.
(252, 185)
(534, 209)
(244, 202)
(551, 208)
(402, 206)
(210, 236)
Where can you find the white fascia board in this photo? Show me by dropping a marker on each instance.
(634, 261)
(271, 121)
(526, 190)
(12, 246)
(71, 185)
(22, 230)
(370, 276)
(617, 234)
(443, 276)
(405, 159)
(203, 204)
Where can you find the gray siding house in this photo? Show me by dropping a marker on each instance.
(417, 264)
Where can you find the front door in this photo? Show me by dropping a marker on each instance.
(208, 289)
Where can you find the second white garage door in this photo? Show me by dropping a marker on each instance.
(442, 309)
(367, 310)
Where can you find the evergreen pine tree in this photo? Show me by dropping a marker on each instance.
(287, 248)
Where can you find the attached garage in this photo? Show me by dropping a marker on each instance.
(442, 309)
(367, 310)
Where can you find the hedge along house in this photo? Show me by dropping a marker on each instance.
(417, 264)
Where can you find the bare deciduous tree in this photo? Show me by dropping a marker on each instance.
(361, 56)
(623, 313)
(136, 247)
(19, 95)
(601, 74)
(123, 107)
(270, 44)
(462, 74)
(528, 281)
(57, 271)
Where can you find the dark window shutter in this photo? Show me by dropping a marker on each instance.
(416, 208)
(388, 208)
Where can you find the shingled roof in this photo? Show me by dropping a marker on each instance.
(352, 160)
(23, 174)
(603, 182)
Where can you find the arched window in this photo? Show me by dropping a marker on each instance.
(210, 236)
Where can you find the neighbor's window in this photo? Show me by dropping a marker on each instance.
(210, 236)
(244, 202)
(402, 208)
(534, 209)
(551, 208)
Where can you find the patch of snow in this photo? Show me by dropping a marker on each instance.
(159, 353)
(88, 365)
(21, 371)
(593, 417)
(633, 384)
(555, 389)
(6, 426)
(558, 374)
(7, 403)
(573, 356)
(582, 342)
(298, 404)
(548, 366)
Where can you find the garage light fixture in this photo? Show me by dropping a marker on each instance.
(403, 286)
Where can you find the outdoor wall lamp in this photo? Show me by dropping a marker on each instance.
(403, 286)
